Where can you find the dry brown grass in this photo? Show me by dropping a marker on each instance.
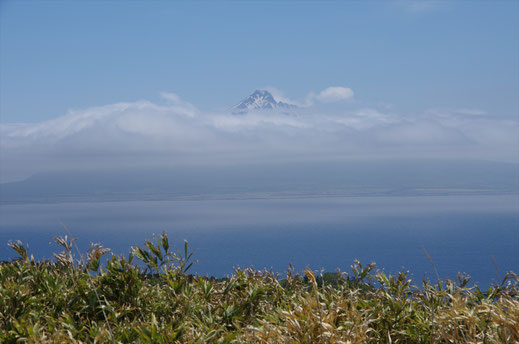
(78, 300)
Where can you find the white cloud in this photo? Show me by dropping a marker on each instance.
(334, 94)
(329, 95)
(280, 96)
(178, 105)
(175, 132)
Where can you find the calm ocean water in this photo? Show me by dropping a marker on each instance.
(461, 233)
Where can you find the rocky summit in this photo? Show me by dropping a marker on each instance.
(260, 100)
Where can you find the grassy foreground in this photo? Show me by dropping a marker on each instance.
(149, 297)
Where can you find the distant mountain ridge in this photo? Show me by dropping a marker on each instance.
(260, 100)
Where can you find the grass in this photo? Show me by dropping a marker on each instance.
(150, 297)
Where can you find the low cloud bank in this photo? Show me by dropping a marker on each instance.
(175, 133)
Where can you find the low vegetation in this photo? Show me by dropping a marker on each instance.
(150, 297)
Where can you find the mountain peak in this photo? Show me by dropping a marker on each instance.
(260, 100)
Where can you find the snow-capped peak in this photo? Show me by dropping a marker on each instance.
(260, 100)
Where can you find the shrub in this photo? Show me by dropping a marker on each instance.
(149, 297)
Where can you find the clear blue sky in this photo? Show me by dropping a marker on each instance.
(416, 55)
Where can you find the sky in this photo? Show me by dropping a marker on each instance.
(97, 83)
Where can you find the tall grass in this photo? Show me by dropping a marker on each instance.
(150, 297)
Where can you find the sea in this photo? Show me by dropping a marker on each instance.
(431, 236)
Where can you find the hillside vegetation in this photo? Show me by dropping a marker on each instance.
(150, 297)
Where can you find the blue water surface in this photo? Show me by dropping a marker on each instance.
(460, 233)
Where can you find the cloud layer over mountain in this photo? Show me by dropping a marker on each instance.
(174, 132)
